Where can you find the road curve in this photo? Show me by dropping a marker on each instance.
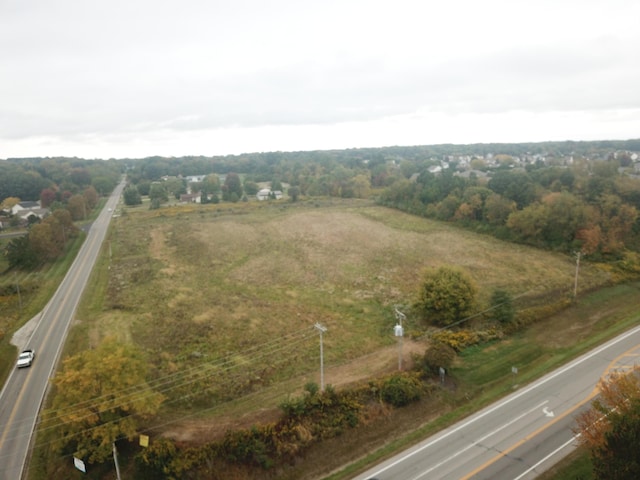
(25, 389)
(521, 435)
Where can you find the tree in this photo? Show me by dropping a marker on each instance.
(610, 428)
(232, 188)
(42, 241)
(617, 458)
(502, 309)
(515, 186)
(250, 187)
(101, 396)
(276, 185)
(103, 185)
(174, 187)
(80, 176)
(90, 197)
(361, 186)
(77, 207)
(20, 254)
(294, 193)
(9, 202)
(437, 355)
(446, 296)
(158, 193)
(47, 197)
(131, 196)
(497, 209)
(62, 227)
(144, 187)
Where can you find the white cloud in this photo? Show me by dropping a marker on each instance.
(120, 78)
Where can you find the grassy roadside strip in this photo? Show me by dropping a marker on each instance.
(479, 395)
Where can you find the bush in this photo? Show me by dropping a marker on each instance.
(437, 355)
(402, 389)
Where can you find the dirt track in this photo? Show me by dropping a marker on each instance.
(197, 431)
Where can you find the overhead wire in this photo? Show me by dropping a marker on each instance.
(169, 382)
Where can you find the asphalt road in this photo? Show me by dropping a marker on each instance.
(24, 391)
(520, 436)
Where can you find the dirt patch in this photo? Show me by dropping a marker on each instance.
(200, 431)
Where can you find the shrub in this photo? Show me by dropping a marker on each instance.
(437, 355)
(402, 389)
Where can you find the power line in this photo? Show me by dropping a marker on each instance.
(176, 380)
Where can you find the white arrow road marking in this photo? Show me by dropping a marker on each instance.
(548, 412)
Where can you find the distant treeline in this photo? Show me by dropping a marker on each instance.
(568, 196)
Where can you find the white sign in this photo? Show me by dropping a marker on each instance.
(79, 464)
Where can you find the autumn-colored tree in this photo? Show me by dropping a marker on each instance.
(497, 209)
(101, 396)
(47, 197)
(9, 202)
(361, 186)
(43, 242)
(437, 355)
(77, 207)
(91, 197)
(609, 429)
(590, 238)
(446, 295)
(617, 221)
(528, 224)
(62, 226)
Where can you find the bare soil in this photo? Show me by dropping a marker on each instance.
(385, 360)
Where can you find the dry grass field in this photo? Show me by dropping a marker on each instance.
(225, 298)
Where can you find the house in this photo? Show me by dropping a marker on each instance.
(24, 210)
(190, 197)
(266, 194)
(195, 178)
(24, 215)
(18, 207)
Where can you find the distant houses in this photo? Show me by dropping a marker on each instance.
(24, 210)
(191, 198)
(267, 193)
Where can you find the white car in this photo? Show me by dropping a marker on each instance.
(26, 358)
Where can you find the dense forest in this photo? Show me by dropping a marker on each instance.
(566, 196)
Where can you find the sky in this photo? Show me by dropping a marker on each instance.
(136, 78)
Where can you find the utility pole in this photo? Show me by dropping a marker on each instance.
(115, 460)
(575, 283)
(398, 331)
(15, 275)
(322, 329)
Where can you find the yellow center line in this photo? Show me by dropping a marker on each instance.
(590, 397)
(24, 388)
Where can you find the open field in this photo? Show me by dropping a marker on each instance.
(235, 291)
(224, 300)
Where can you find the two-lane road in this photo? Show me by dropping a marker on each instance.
(520, 436)
(22, 396)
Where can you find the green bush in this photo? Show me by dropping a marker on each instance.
(437, 355)
(401, 389)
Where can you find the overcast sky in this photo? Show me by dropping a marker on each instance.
(134, 78)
